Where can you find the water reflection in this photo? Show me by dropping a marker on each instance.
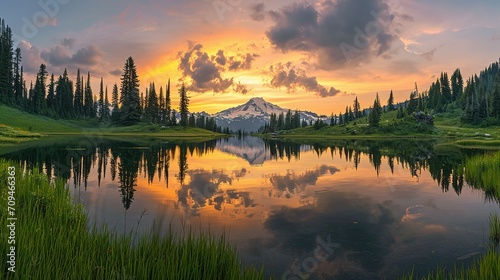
(388, 204)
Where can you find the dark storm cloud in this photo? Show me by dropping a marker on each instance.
(258, 12)
(59, 56)
(285, 75)
(345, 32)
(206, 72)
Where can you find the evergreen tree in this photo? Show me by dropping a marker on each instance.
(114, 98)
(89, 100)
(183, 106)
(357, 109)
(6, 63)
(457, 85)
(152, 109)
(100, 102)
(445, 89)
(39, 92)
(374, 116)
(173, 118)
(168, 108)
(413, 103)
(495, 104)
(18, 78)
(281, 122)
(51, 97)
(332, 120)
(390, 102)
(161, 107)
(288, 120)
(105, 106)
(192, 120)
(130, 111)
(64, 97)
(78, 102)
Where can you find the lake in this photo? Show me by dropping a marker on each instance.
(340, 209)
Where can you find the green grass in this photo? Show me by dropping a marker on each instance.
(33, 123)
(483, 172)
(494, 226)
(47, 126)
(53, 241)
(486, 267)
(10, 135)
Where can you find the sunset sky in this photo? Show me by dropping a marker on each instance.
(308, 55)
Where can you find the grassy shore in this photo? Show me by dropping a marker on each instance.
(446, 127)
(11, 135)
(54, 241)
(40, 125)
(483, 172)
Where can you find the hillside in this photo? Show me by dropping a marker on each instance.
(19, 120)
(390, 126)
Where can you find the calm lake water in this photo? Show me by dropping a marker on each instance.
(347, 209)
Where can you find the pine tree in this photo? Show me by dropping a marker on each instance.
(114, 98)
(6, 63)
(161, 107)
(168, 108)
(39, 91)
(78, 102)
(183, 106)
(152, 109)
(130, 111)
(288, 120)
(374, 116)
(495, 104)
(105, 107)
(51, 97)
(457, 85)
(64, 97)
(89, 100)
(332, 120)
(357, 109)
(100, 103)
(390, 102)
(18, 78)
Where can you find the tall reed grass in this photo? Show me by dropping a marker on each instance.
(483, 172)
(54, 242)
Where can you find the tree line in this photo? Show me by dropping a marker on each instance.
(61, 97)
(476, 102)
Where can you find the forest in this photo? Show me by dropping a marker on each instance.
(60, 97)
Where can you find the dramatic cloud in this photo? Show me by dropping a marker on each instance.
(59, 56)
(257, 12)
(285, 75)
(340, 33)
(205, 71)
(292, 183)
(204, 189)
(31, 57)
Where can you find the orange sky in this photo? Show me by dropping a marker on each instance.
(422, 39)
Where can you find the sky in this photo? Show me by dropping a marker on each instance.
(307, 55)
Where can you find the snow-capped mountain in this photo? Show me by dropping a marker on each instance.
(253, 115)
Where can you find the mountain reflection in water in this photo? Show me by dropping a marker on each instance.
(389, 205)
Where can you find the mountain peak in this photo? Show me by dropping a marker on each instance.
(257, 99)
